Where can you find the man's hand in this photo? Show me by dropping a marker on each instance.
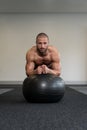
(39, 70)
(45, 69)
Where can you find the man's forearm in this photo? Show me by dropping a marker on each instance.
(55, 72)
(29, 73)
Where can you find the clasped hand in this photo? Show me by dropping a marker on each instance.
(43, 69)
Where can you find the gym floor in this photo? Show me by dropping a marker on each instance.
(68, 114)
(80, 88)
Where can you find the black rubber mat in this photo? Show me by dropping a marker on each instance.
(70, 113)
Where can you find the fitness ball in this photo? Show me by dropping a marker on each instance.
(43, 88)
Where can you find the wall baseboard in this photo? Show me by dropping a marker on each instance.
(11, 82)
(76, 83)
(21, 82)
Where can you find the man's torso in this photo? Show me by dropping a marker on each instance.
(40, 60)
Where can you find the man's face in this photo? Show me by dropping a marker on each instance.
(42, 45)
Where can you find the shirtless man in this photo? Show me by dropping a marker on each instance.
(43, 58)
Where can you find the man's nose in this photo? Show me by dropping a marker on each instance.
(42, 45)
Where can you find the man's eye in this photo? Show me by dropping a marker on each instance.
(39, 43)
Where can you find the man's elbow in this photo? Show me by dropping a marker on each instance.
(58, 73)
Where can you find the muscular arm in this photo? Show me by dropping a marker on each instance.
(54, 69)
(29, 68)
(55, 66)
(30, 65)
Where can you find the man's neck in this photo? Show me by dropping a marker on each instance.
(43, 54)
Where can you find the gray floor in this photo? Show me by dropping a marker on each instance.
(4, 90)
(82, 89)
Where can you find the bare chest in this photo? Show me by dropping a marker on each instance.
(43, 60)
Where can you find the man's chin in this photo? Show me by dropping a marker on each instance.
(42, 52)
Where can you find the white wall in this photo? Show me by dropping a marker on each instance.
(68, 32)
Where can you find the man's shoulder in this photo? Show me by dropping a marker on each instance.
(52, 48)
(31, 52)
(32, 49)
